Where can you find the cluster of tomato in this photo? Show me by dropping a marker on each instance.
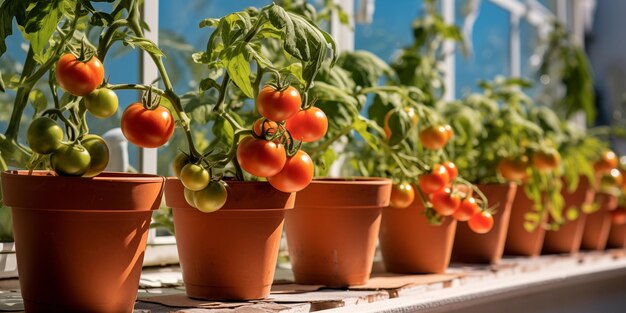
(437, 184)
(86, 155)
(611, 176)
(516, 168)
(264, 153)
(201, 192)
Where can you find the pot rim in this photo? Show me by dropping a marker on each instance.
(351, 180)
(103, 177)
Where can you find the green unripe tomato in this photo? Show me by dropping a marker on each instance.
(70, 160)
(211, 198)
(189, 197)
(44, 136)
(194, 177)
(99, 153)
(102, 102)
(178, 163)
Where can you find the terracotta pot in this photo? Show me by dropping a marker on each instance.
(598, 224)
(519, 241)
(617, 236)
(470, 247)
(568, 237)
(230, 254)
(409, 244)
(80, 241)
(331, 235)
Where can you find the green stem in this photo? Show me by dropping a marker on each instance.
(105, 42)
(232, 121)
(133, 21)
(136, 87)
(327, 143)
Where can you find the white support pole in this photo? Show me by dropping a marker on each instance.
(148, 73)
(447, 7)
(343, 34)
(561, 11)
(515, 60)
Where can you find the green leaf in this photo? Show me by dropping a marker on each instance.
(209, 22)
(254, 49)
(366, 68)
(360, 125)
(236, 60)
(38, 100)
(324, 162)
(223, 131)
(399, 125)
(41, 23)
(201, 114)
(10, 9)
(143, 44)
(293, 70)
(201, 57)
(208, 83)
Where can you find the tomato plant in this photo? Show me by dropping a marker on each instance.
(402, 195)
(44, 136)
(434, 137)
(147, 127)
(79, 77)
(211, 198)
(98, 153)
(546, 160)
(261, 157)
(514, 168)
(194, 177)
(70, 160)
(606, 163)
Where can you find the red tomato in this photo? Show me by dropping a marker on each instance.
(445, 202)
(481, 223)
(546, 160)
(402, 195)
(278, 105)
(434, 181)
(607, 162)
(449, 131)
(452, 170)
(434, 137)
(79, 78)
(308, 125)
(513, 169)
(147, 128)
(618, 216)
(295, 175)
(262, 123)
(466, 210)
(260, 157)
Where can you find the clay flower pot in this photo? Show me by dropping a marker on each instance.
(80, 241)
(598, 224)
(470, 247)
(331, 235)
(519, 241)
(230, 254)
(617, 236)
(409, 244)
(568, 237)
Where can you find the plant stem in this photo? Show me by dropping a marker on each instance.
(327, 143)
(105, 41)
(133, 21)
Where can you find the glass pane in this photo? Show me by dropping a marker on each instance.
(390, 29)
(530, 57)
(490, 43)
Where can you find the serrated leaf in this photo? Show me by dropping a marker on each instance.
(255, 51)
(38, 100)
(8, 10)
(399, 125)
(208, 83)
(238, 67)
(293, 70)
(143, 44)
(223, 131)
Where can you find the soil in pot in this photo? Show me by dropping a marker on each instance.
(230, 254)
(332, 232)
(598, 224)
(520, 241)
(409, 244)
(470, 247)
(80, 242)
(568, 237)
